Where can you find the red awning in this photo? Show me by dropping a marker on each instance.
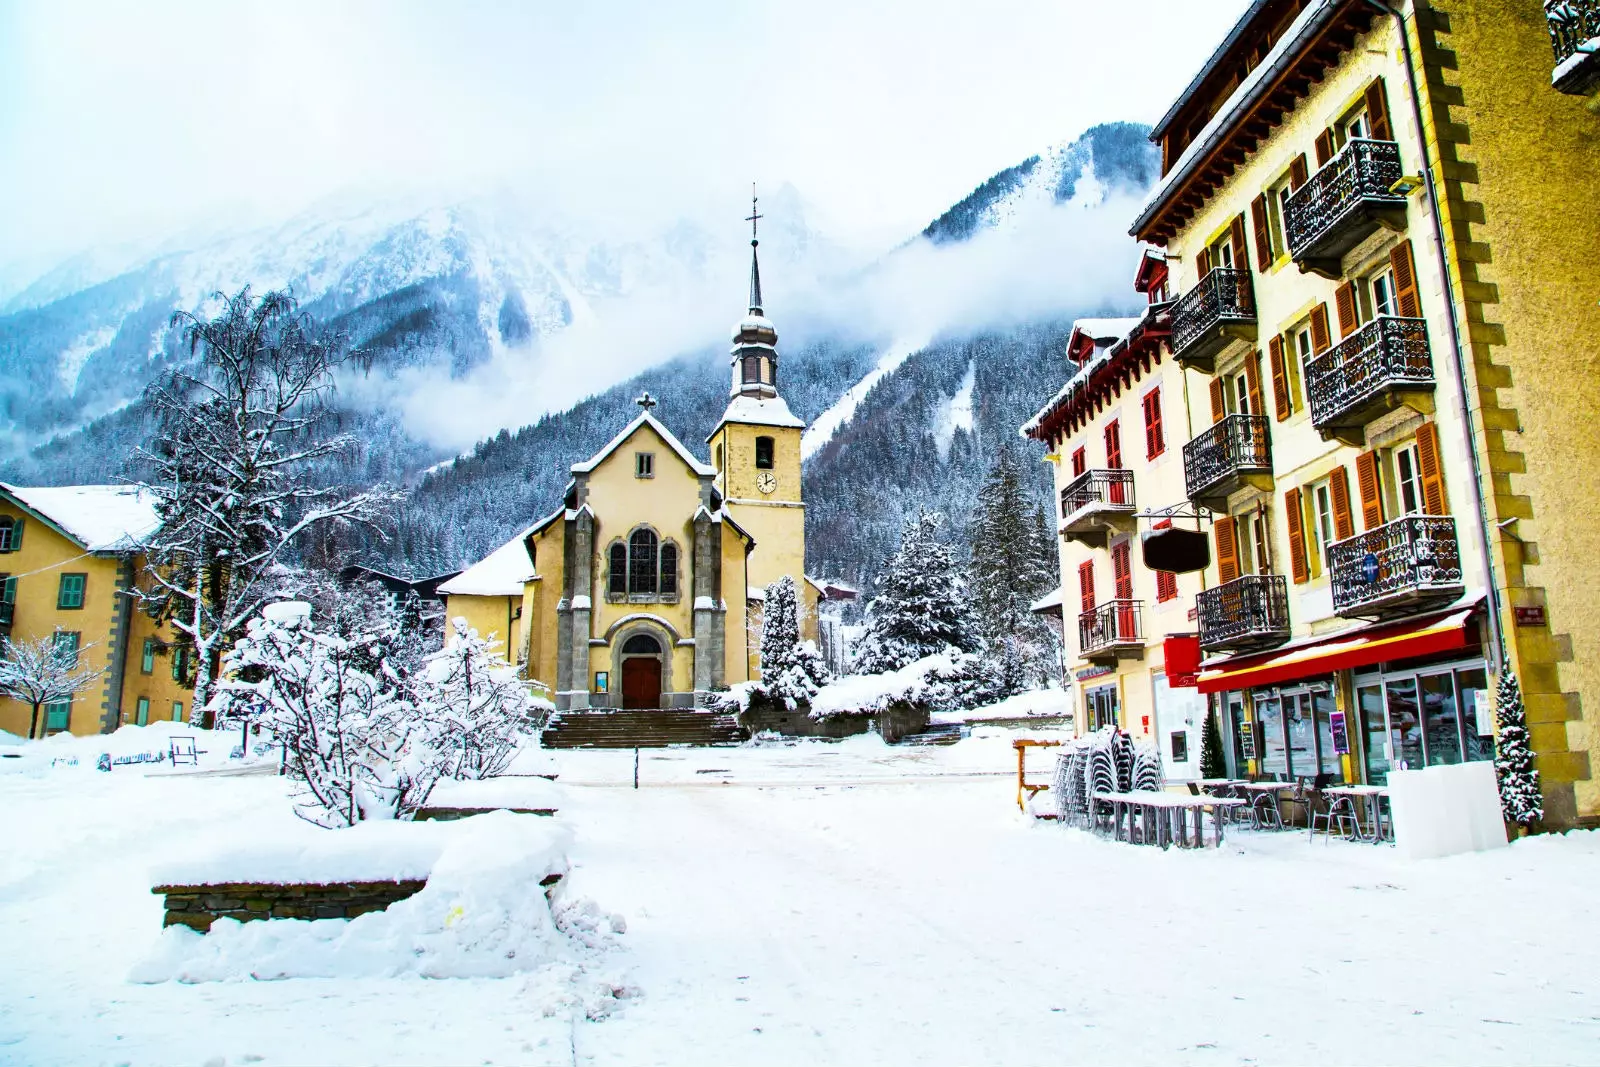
(1419, 637)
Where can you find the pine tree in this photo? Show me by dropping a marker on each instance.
(1212, 762)
(791, 670)
(1513, 764)
(922, 606)
(1014, 563)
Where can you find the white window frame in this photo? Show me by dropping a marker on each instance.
(1408, 484)
(1383, 292)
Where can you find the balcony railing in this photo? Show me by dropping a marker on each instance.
(1574, 36)
(1095, 503)
(1385, 363)
(1219, 309)
(1405, 564)
(1342, 203)
(1112, 630)
(1228, 454)
(1249, 612)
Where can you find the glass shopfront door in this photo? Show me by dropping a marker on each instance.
(1374, 730)
(1432, 718)
(1100, 706)
(1297, 732)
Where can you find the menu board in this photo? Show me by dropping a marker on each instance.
(1247, 741)
(1341, 738)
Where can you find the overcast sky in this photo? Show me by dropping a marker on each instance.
(132, 120)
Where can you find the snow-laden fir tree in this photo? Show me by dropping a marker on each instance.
(1014, 563)
(230, 470)
(481, 700)
(46, 671)
(1213, 764)
(1513, 761)
(791, 670)
(923, 606)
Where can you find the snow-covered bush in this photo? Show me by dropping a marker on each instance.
(1520, 800)
(791, 670)
(922, 606)
(479, 700)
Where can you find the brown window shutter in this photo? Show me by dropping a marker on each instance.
(1086, 585)
(1378, 112)
(1339, 487)
(1241, 254)
(1344, 302)
(1219, 400)
(1320, 341)
(1367, 486)
(1252, 381)
(1298, 172)
(1258, 222)
(1203, 261)
(1324, 147)
(1297, 537)
(1434, 498)
(1405, 280)
(1227, 550)
(1280, 378)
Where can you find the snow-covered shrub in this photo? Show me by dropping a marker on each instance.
(1520, 800)
(479, 701)
(791, 670)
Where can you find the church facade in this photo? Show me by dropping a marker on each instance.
(644, 588)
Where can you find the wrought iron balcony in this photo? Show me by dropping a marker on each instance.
(1096, 504)
(1112, 631)
(1216, 311)
(1247, 613)
(1574, 37)
(1343, 203)
(1383, 365)
(1227, 456)
(1407, 564)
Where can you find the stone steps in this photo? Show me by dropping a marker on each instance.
(646, 728)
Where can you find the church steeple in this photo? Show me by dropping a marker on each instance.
(755, 339)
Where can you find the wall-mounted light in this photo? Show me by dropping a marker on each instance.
(1406, 184)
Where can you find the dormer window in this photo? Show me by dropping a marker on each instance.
(763, 453)
(644, 464)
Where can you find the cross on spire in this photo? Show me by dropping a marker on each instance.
(646, 402)
(754, 217)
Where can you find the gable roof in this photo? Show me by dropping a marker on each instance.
(100, 518)
(645, 419)
(501, 573)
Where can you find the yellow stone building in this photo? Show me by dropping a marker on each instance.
(644, 589)
(68, 562)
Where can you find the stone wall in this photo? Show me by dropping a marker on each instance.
(770, 716)
(198, 906)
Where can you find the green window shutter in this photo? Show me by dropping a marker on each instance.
(147, 658)
(177, 711)
(58, 716)
(144, 711)
(16, 534)
(70, 594)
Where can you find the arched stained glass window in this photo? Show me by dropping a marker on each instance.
(642, 562)
(617, 581)
(669, 569)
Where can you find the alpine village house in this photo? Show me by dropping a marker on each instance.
(1367, 368)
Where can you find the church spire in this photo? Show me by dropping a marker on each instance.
(755, 339)
(755, 265)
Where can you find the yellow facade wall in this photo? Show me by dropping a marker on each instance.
(496, 617)
(170, 698)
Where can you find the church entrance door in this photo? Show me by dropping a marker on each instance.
(641, 682)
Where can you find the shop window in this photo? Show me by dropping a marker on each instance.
(1100, 707)
(764, 447)
(644, 465)
(69, 595)
(1180, 747)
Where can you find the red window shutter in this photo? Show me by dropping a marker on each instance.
(1324, 147)
(1405, 280)
(1344, 300)
(1367, 486)
(1166, 586)
(1122, 569)
(1155, 441)
(1203, 261)
(1114, 445)
(1378, 112)
(1086, 585)
(1320, 340)
(1339, 488)
(1298, 172)
(1258, 222)
(1297, 537)
(1080, 461)
(1280, 378)
(1241, 254)
(1219, 400)
(1434, 497)
(1227, 540)
(1252, 382)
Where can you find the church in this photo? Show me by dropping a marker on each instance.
(644, 588)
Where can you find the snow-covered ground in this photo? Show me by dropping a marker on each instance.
(841, 903)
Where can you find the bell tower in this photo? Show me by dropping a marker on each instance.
(755, 339)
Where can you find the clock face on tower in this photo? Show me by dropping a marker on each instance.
(766, 482)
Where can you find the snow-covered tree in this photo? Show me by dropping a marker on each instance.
(923, 606)
(358, 747)
(481, 701)
(1013, 559)
(1213, 764)
(1513, 762)
(41, 672)
(230, 470)
(791, 670)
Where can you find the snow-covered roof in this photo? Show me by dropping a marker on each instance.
(500, 573)
(753, 321)
(1105, 329)
(101, 518)
(1049, 604)
(759, 411)
(1080, 375)
(645, 419)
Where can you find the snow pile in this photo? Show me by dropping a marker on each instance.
(519, 791)
(128, 740)
(864, 694)
(481, 915)
(1034, 703)
(298, 852)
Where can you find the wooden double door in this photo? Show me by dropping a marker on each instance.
(641, 682)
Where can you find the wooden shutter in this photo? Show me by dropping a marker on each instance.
(1434, 498)
(16, 532)
(1219, 401)
(1324, 147)
(1252, 382)
(1405, 280)
(1241, 254)
(1280, 378)
(1378, 112)
(1298, 172)
(1155, 442)
(1086, 585)
(1114, 445)
(1344, 301)
(1339, 488)
(1227, 539)
(1320, 341)
(1080, 461)
(1297, 537)
(1258, 222)
(1203, 261)
(1122, 570)
(1367, 486)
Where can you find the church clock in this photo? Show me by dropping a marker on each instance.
(766, 483)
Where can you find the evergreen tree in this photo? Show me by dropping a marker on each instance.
(1014, 563)
(1212, 763)
(1513, 764)
(791, 670)
(922, 605)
